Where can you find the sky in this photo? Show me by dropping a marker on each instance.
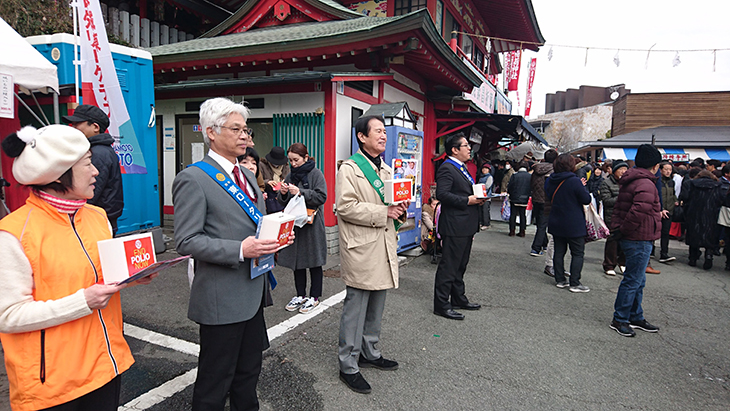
(623, 24)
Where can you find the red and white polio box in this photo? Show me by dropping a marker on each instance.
(276, 226)
(480, 190)
(398, 190)
(124, 257)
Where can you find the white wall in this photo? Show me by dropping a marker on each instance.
(393, 95)
(273, 103)
(344, 124)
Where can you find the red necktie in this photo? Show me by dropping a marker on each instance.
(239, 182)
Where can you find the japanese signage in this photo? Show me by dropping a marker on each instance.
(7, 91)
(530, 80)
(483, 96)
(100, 86)
(512, 62)
(676, 157)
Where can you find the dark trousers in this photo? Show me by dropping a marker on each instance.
(449, 283)
(727, 247)
(300, 282)
(577, 250)
(105, 398)
(613, 255)
(540, 241)
(695, 253)
(485, 218)
(516, 210)
(230, 363)
(664, 242)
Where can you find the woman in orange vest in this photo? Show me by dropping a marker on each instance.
(60, 325)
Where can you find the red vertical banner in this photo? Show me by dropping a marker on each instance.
(530, 80)
(512, 65)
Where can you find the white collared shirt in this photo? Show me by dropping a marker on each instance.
(459, 162)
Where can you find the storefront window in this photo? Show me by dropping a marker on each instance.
(478, 59)
(402, 7)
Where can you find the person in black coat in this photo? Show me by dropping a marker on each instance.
(458, 222)
(702, 201)
(108, 191)
(519, 190)
(567, 221)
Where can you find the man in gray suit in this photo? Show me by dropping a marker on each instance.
(215, 229)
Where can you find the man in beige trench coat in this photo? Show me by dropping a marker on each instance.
(368, 258)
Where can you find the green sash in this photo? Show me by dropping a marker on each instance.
(374, 179)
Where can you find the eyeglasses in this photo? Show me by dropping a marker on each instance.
(238, 131)
(464, 145)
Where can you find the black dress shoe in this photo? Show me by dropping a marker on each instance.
(356, 382)
(468, 306)
(381, 363)
(450, 314)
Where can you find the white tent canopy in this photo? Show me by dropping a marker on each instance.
(18, 58)
(536, 148)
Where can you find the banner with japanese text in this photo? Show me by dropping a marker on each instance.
(100, 86)
(512, 69)
(530, 81)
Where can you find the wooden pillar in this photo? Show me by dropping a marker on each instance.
(330, 149)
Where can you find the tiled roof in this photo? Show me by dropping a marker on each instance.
(275, 35)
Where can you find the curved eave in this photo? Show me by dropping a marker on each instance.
(328, 7)
(225, 47)
(511, 19)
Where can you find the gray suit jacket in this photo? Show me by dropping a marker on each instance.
(210, 225)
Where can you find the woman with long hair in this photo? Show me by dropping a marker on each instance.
(309, 250)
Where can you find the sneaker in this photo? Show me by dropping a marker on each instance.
(381, 363)
(356, 382)
(610, 272)
(622, 328)
(622, 268)
(549, 271)
(295, 303)
(567, 274)
(563, 284)
(309, 304)
(666, 259)
(535, 253)
(580, 288)
(644, 325)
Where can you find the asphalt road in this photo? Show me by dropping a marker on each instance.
(532, 346)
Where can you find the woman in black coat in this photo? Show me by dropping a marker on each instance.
(702, 200)
(567, 221)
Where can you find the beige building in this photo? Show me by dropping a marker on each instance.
(571, 129)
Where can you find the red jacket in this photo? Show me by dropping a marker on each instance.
(637, 212)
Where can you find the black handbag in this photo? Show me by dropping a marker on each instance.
(678, 216)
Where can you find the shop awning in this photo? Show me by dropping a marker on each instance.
(670, 153)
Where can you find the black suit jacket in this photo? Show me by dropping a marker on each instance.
(453, 189)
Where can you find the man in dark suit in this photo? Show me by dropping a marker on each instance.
(458, 223)
(212, 226)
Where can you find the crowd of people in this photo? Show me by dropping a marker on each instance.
(219, 202)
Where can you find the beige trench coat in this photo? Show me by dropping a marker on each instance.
(368, 243)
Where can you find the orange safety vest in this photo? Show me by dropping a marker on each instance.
(59, 364)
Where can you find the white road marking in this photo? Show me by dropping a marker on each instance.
(161, 340)
(179, 383)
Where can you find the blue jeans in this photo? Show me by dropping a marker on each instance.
(631, 291)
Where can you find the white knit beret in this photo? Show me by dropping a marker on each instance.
(48, 153)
